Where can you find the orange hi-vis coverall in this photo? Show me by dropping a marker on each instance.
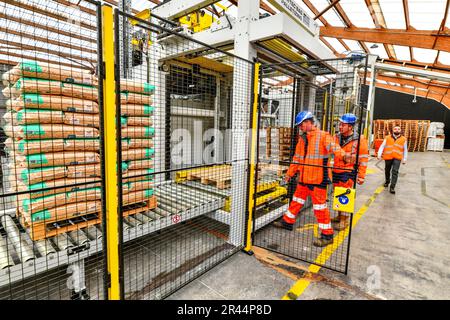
(310, 161)
(344, 173)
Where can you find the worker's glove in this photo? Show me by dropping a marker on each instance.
(360, 180)
(349, 158)
(287, 178)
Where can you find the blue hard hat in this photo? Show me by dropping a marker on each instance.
(302, 116)
(349, 118)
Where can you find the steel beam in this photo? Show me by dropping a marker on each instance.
(174, 9)
(413, 71)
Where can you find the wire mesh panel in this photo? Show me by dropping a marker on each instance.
(184, 109)
(308, 150)
(51, 164)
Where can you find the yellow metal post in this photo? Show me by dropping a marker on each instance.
(332, 128)
(253, 160)
(325, 109)
(109, 111)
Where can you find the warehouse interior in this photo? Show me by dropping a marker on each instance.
(146, 147)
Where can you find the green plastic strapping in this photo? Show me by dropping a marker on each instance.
(33, 98)
(41, 215)
(37, 186)
(22, 145)
(30, 66)
(33, 129)
(37, 158)
(148, 110)
(149, 152)
(149, 131)
(148, 88)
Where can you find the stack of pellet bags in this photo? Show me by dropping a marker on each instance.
(52, 123)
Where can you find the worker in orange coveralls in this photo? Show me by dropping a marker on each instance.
(345, 173)
(310, 161)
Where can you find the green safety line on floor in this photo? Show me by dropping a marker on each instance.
(300, 286)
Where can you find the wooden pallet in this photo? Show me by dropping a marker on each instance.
(41, 230)
(140, 207)
(415, 131)
(220, 176)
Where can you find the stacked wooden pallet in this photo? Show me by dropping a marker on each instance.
(415, 131)
(219, 176)
(53, 128)
(279, 143)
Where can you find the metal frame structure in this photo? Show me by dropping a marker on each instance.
(285, 40)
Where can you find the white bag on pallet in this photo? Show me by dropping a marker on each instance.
(38, 101)
(57, 159)
(46, 70)
(50, 131)
(130, 85)
(50, 87)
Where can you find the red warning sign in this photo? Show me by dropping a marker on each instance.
(176, 218)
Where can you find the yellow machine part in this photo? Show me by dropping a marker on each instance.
(208, 64)
(181, 176)
(143, 15)
(266, 186)
(283, 49)
(197, 22)
(277, 192)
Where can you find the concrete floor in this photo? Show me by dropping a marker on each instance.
(399, 248)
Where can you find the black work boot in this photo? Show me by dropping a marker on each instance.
(386, 184)
(283, 224)
(392, 189)
(323, 241)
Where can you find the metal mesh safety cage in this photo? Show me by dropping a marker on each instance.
(52, 184)
(184, 114)
(305, 148)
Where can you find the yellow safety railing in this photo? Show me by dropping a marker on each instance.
(109, 111)
(253, 160)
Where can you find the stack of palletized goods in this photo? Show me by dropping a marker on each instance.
(52, 123)
(262, 144)
(137, 143)
(279, 143)
(415, 131)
